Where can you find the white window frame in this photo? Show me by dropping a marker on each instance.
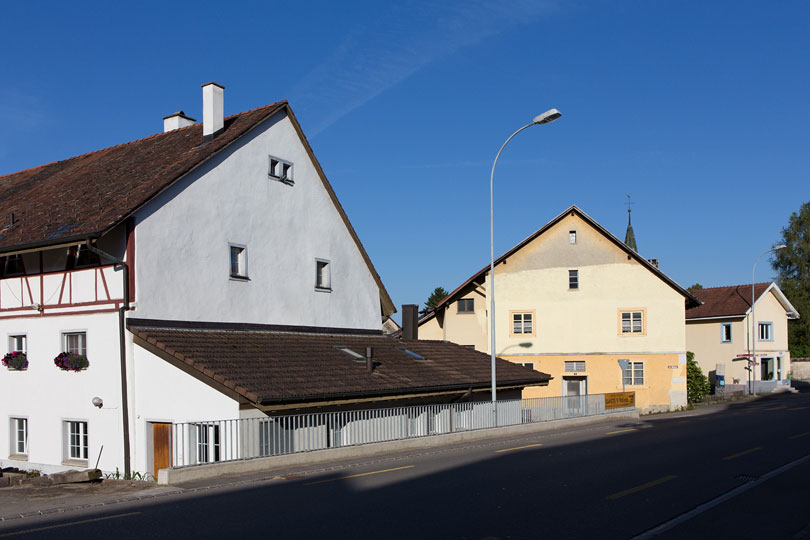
(726, 336)
(18, 425)
(82, 349)
(280, 169)
(526, 321)
(12, 346)
(768, 327)
(208, 443)
(633, 375)
(637, 323)
(241, 251)
(323, 275)
(76, 441)
(574, 366)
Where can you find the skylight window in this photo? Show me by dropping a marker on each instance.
(413, 354)
(353, 354)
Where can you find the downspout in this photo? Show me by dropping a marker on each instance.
(122, 350)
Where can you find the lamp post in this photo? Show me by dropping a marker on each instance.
(754, 320)
(545, 118)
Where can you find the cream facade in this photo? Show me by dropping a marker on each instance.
(722, 343)
(571, 301)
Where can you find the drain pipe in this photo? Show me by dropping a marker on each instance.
(120, 263)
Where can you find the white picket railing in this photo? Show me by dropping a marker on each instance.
(195, 443)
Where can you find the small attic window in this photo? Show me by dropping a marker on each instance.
(280, 170)
(572, 237)
(415, 355)
(355, 355)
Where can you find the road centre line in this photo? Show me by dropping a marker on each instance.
(674, 522)
(358, 475)
(38, 529)
(799, 435)
(743, 453)
(620, 431)
(620, 494)
(518, 448)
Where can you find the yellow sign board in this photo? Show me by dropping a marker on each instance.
(618, 400)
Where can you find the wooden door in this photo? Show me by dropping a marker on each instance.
(162, 447)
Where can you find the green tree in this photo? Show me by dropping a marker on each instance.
(793, 267)
(696, 287)
(697, 384)
(435, 297)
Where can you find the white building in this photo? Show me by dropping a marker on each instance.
(229, 221)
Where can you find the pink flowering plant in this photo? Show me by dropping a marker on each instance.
(69, 361)
(16, 360)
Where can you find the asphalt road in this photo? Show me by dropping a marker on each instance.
(736, 471)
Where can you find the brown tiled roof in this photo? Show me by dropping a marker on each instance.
(731, 301)
(282, 366)
(89, 194)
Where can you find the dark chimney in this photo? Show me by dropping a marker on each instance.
(410, 317)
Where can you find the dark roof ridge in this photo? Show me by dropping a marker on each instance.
(214, 326)
(732, 286)
(142, 139)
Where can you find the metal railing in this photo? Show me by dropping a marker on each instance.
(196, 443)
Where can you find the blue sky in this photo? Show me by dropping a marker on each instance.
(699, 110)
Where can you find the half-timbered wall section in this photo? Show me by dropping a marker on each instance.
(54, 293)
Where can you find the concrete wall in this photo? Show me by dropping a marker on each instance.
(183, 241)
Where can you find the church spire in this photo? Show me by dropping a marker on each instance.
(629, 236)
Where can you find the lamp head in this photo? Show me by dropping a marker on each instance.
(548, 116)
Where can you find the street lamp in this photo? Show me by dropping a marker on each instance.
(754, 320)
(545, 118)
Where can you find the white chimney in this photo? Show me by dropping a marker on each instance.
(213, 109)
(176, 121)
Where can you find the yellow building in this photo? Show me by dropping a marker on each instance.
(719, 333)
(571, 301)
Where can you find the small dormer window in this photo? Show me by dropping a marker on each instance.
(280, 170)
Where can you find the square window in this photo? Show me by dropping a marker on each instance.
(466, 305)
(208, 443)
(632, 322)
(573, 279)
(725, 333)
(19, 436)
(529, 365)
(323, 280)
(77, 440)
(765, 331)
(522, 323)
(572, 237)
(280, 170)
(575, 366)
(75, 342)
(18, 343)
(633, 374)
(238, 261)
